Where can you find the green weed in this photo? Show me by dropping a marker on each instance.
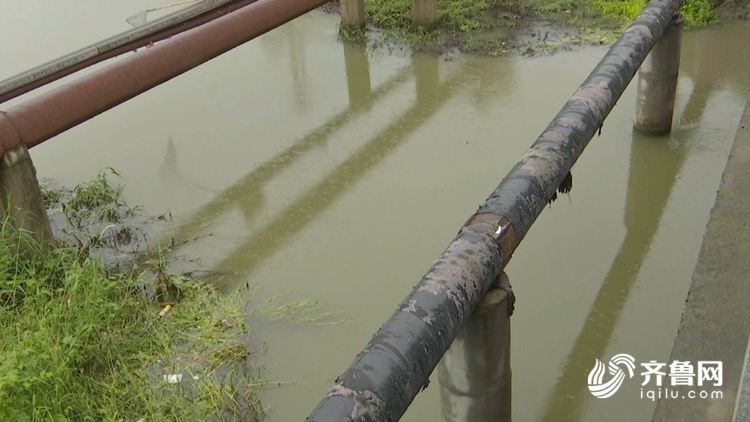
(460, 20)
(83, 341)
(696, 12)
(308, 312)
(454, 15)
(96, 193)
(50, 196)
(389, 14)
(352, 33)
(79, 342)
(463, 16)
(699, 13)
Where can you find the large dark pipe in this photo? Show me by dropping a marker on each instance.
(127, 41)
(386, 376)
(56, 111)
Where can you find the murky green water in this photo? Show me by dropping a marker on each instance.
(339, 175)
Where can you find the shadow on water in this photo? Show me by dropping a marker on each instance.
(358, 75)
(654, 166)
(719, 56)
(170, 171)
(432, 95)
(247, 193)
(704, 79)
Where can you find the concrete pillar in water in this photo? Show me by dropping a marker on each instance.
(352, 13)
(20, 194)
(424, 14)
(357, 74)
(657, 82)
(474, 374)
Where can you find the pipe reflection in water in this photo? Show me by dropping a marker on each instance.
(357, 74)
(170, 171)
(703, 84)
(699, 97)
(654, 165)
(427, 76)
(721, 57)
(281, 230)
(711, 61)
(475, 372)
(249, 189)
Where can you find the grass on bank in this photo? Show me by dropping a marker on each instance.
(697, 12)
(454, 15)
(81, 344)
(80, 341)
(461, 18)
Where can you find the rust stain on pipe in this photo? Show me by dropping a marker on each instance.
(125, 48)
(497, 227)
(9, 136)
(56, 111)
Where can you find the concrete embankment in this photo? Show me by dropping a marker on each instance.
(716, 318)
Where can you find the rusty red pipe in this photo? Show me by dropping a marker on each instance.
(56, 111)
(67, 69)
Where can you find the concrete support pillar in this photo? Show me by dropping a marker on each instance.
(21, 196)
(424, 14)
(474, 374)
(357, 74)
(657, 82)
(352, 13)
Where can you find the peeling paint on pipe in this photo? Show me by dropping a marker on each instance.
(58, 110)
(385, 377)
(526, 190)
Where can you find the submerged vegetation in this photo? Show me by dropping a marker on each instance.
(84, 340)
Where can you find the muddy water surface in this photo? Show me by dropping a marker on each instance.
(332, 173)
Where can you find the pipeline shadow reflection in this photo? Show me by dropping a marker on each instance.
(713, 59)
(247, 193)
(250, 194)
(719, 57)
(358, 75)
(654, 166)
(266, 241)
(170, 171)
